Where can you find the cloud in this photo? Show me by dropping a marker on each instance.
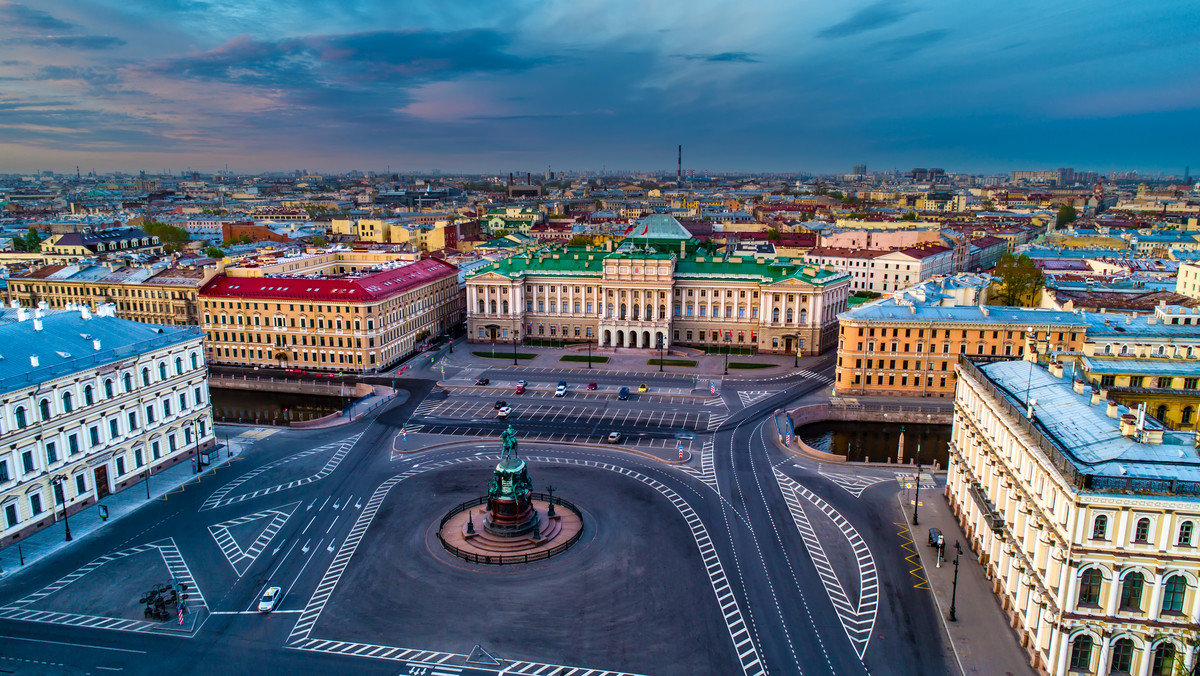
(21, 17)
(895, 49)
(724, 57)
(879, 15)
(79, 41)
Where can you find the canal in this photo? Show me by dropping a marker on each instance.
(272, 408)
(878, 442)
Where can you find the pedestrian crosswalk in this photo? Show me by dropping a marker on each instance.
(706, 471)
(812, 375)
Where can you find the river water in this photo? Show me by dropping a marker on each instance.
(878, 442)
(272, 408)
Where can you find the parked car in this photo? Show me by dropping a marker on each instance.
(623, 394)
(522, 383)
(614, 437)
(520, 389)
(561, 391)
(269, 600)
(643, 388)
(503, 412)
(935, 537)
(591, 386)
(500, 404)
(482, 381)
(562, 383)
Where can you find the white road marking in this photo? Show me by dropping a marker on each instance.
(219, 499)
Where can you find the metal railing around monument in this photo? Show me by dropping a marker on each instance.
(511, 559)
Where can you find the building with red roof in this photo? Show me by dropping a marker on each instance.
(328, 314)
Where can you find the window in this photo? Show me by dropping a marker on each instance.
(35, 504)
(1141, 532)
(1185, 534)
(114, 429)
(121, 466)
(51, 453)
(133, 421)
(10, 515)
(19, 413)
(67, 406)
(1164, 660)
(162, 370)
(1081, 653)
(94, 435)
(1173, 594)
(27, 461)
(1122, 656)
(1190, 383)
(80, 484)
(44, 408)
(1131, 592)
(1100, 527)
(195, 361)
(1137, 381)
(4, 476)
(1164, 382)
(128, 382)
(178, 366)
(1186, 417)
(1089, 587)
(137, 458)
(1107, 381)
(88, 398)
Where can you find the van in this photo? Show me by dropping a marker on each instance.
(623, 394)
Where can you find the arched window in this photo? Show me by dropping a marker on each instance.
(1131, 592)
(44, 407)
(1173, 594)
(1108, 349)
(1081, 653)
(1089, 587)
(775, 315)
(162, 371)
(1100, 527)
(1185, 534)
(178, 366)
(622, 315)
(649, 314)
(1186, 417)
(480, 307)
(493, 307)
(1164, 660)
(195, 361)
(1122, 656)
(803, 316)
(1124, 350)
(20, 415)
(790, 315)
(505, 306)
(1141, 532)
(145, 376)
(108, 389)
(88, 397)
(67, 405)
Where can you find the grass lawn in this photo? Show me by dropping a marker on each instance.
(583, 358)
(672, 362)
(749, 365)
(501, 354)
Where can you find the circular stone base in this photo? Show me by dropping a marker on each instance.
(482, 546)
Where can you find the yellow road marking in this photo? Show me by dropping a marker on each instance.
(912, 558)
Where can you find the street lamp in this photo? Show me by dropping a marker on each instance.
(954, 590)
(917, 487)
(660, 353)
(58, 481)
(514, 342)
(147, 481)
(727, 347)
(589, 344)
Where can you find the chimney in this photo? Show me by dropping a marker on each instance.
(33, 360)
(85, 312)
(96, 344)
(37, 311)
(1095, 397)
(1128, 425)
(1113, 410)
(37, 325)
(1029, 410)
(14, 304)
(1079, 386)
(22, 314)
(1056, 369)
(43, 305)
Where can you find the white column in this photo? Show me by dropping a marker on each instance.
(1105, 645)
(1147, 656)
(1156, 597)
(1071, 601)
(1059, 645)
(1114, 596)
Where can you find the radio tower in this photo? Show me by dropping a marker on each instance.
(679, 165)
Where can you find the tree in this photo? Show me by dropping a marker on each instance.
(214, 252)
(502, 232)
(30, 242)
(910, 216)
(171, 237)
(1066, 214)
(989, 205)
(1021, 280)
(580, 240)
(319, 240)
(773, 234)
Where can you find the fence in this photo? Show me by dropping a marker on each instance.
(509, 560)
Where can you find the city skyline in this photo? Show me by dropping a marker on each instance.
(470, 88)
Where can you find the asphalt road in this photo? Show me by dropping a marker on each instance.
(746, 560)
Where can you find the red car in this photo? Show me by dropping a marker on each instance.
(520, 389)
(591, 386)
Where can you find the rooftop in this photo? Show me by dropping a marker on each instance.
(886, 309)
(391, 280)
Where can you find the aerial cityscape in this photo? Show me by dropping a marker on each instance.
(548, 339)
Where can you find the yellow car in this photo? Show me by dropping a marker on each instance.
(643, 388)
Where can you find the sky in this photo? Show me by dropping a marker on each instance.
(492, 87)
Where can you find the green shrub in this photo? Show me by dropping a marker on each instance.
(501, 354)
(583, 357)
(749, 365)
(672, 362)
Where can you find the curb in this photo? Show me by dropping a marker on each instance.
(502, 390)
(626, 449)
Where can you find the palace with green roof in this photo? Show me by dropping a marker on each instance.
(658, 285)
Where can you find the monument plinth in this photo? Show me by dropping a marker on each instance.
(518, 525)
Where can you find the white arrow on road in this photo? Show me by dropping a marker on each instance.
(358, 505)
(330, 547)
(337, 505)
(305, 547)
(276, 550)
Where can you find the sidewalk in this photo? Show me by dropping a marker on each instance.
(981, 637)
(625, 360)
(87, 522)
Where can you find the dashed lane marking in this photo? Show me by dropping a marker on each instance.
(219, 499)
(917, 571)
(238, 558)
(736, 626)
(858, 622)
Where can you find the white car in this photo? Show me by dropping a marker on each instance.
(269, 600)
(503, 412)
(561, 391)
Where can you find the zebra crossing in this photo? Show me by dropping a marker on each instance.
(854, 484)
(749, 397)
(241, 559)
(22, 609)
(813, 375)
(341, 448)
(858, 620)
(739, 630)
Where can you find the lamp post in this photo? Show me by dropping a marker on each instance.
(917, 487)
(727, 346)
(147, 481)
(660, 353)
(589, 354)
(58, 480)
(954, 589)
(514, 342)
